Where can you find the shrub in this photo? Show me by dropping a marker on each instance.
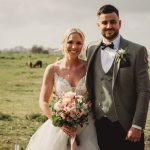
(5, 117)
(37, 117)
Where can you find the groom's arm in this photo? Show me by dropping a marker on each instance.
(142, 87)
(143, 95)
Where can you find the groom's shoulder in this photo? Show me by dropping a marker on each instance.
(132, 43)
(134, 48)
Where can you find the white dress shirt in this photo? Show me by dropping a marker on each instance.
(107, 59)
(108, 54)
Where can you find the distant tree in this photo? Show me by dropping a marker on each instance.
(45, 52)
(37, 49)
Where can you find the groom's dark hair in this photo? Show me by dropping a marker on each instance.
(106, 9)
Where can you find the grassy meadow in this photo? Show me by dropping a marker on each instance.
(20, 85)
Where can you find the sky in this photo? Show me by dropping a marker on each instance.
(43, 22)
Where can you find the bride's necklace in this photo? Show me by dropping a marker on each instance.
(69, 74)
(70, 69)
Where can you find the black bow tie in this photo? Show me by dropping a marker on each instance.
(103, 45)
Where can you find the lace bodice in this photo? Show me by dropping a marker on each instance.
(62, 86)
(54, 138)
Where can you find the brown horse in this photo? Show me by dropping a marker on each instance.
(38, 63)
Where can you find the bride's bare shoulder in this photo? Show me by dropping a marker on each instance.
(54, 66)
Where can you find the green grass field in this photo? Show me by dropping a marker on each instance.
(20, 86)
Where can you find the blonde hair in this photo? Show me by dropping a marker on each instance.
(69, 32)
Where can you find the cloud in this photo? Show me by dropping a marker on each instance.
(27, 22)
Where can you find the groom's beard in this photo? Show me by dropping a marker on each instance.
(112, 36)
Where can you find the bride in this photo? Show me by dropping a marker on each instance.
(65, 75)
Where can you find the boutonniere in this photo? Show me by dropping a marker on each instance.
(121, 54)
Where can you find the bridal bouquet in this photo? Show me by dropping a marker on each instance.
(70, 110)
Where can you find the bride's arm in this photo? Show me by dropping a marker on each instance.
(46, 90)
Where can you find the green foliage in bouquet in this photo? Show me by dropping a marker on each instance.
(70, 110)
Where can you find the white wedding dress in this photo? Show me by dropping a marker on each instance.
(49, 137)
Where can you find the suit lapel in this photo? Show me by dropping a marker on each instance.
(115, 71)
(123, 45)
(93, 52)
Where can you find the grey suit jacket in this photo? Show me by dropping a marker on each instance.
(130, 85)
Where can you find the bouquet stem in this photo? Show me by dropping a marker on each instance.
(73, 143)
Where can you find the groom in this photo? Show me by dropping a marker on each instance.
(118, 85)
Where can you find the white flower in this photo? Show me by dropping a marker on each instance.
(79, 98)
(121, 51)
(121, 54)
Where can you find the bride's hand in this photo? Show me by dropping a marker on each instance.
(70, 131)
